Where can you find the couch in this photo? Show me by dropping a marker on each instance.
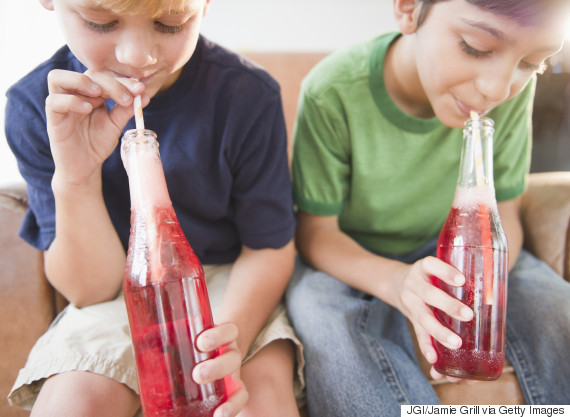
(28, 303)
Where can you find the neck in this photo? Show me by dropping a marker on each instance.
(402, 80)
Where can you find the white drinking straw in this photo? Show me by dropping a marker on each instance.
(476, 128)
(137, 105)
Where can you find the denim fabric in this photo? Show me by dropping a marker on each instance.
(360, 359)
(538, 331)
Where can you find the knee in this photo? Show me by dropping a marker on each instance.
(84, 394)
(269, 377)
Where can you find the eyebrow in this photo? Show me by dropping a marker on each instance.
(502, 36)
(496, 33)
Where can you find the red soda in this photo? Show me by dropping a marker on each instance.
(482, 261)
(165, 294)
(473, 241)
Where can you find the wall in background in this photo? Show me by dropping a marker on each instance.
(29, 34)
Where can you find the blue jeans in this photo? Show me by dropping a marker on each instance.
(360, 359)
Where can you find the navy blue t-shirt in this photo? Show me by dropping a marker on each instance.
(222, 143)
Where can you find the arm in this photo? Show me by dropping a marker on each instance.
(406, 287)
(86, 259)
(257, 282)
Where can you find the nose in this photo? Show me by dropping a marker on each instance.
(496, 82)
(136, 48)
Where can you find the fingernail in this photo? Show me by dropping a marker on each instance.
(126, 98)
(459, 279)
(466, 313)
(204, 373)
(454, 341)
(206, 343)
(94, 88)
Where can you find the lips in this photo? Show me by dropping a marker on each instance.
(466, 109)
(143, 78)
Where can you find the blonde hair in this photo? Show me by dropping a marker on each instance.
(152, 8)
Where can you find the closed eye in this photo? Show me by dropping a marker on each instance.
(540, 68)
(170, 29)
(469, 50)
(99, 28)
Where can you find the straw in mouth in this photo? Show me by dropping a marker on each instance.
(137, 105)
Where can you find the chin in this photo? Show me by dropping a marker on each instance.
(453, 121)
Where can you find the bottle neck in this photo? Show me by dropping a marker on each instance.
(141, 158)
(476, 168)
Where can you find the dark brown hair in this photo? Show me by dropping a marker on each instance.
(526, 12)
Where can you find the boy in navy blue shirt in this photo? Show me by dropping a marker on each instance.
(222, 140)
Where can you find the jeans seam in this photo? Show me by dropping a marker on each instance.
(523, 370)
(379, 355)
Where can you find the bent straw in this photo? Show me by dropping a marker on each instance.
(137, 105)
(476, 127)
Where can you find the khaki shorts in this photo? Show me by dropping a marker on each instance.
(97, 339)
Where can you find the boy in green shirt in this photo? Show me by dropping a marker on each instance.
(376, 158)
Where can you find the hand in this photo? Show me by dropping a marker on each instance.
(82, 132)
(436, 375)
(416, 296)
(227, 365)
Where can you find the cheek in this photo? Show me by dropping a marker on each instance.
(178, 51)
(90, 48)
(518, 85)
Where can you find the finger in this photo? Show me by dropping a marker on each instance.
(132, 84)
(217, 336)
(443, 271)
(70, 82)
(65, 103)
(235, 402)
(112, 88)
(425, 344)
(217, 368)
(94, 84)
(435, 375)
(450, 305)
(120, 115)
(426, 319)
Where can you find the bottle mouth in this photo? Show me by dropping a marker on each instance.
(482, 122)
(139, 135)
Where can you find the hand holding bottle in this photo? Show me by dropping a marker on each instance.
(417, 294)
(82, 131)
(227, 364)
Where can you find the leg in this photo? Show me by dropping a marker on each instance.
(85, 394)
(538, 319)
(268, 377)
(360, 359)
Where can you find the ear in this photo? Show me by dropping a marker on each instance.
(406, 13)
(206, 7)
(48, 4)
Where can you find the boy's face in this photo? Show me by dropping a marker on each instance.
(153, 50)
(471, 59)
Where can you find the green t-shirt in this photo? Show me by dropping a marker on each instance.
(390, 177)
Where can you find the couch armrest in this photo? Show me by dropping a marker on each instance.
(545, 215)
(27, 300)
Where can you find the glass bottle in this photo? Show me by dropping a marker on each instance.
(473, 241)
(165, 292)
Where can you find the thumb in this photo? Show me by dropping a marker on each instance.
(120, 115)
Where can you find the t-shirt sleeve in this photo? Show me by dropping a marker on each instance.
(321, 156)
(513, 141)
(25, 125)
(261, 189)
